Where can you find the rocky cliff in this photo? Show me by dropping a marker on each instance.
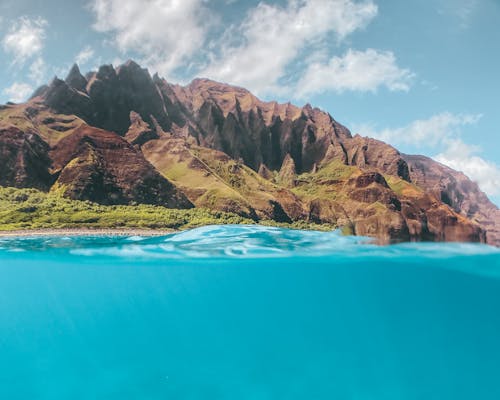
(119, 135)
(456, 190)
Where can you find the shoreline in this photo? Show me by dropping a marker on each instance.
(85, 232)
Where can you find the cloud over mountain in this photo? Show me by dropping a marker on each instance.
(357, 71)
(272, 37)
(442, 134)
(264, 52)
(18, 92)
(166, 34)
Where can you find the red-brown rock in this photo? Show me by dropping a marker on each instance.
(100, 166)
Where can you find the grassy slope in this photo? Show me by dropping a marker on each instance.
(193, 180)
(213, 180)
(32, 209)
(327, 182)
(51, 127)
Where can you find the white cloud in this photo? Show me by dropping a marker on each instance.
(276, 49)
(165, 33)
(463, 157)
(18, 92)
(357, 71)
(38, 70)
(441, 134)
(25, 39)
(272, 37)
(84, 55)
(424, 133)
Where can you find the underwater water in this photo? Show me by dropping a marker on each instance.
(246, 312)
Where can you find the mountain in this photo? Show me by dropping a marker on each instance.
(122, 136)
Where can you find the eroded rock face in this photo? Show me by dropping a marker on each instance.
(211, 179)
(232, 120)
(64, 99)
(327, 211)
(368, 178)
(24, 159)
(210, 139)
(97, 165)
(139, 131)
(116, 93)
(368, 204)
(288, 172)
(459, 192)
(265, 172)
(371, 153)
(219, 116)
(105, 98)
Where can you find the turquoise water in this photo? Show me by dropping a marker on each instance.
(241, 312)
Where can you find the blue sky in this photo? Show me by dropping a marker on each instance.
(421, 75)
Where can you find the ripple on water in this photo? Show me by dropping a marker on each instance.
(240, 241)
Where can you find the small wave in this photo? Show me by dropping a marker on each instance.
(135, 238)
(240, 241)
(253, 241)
(257, 241)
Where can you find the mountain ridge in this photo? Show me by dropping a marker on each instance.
(220, 147)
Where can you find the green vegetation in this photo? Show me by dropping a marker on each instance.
(191, 173)
(33, 209)
(300, 225)
(402, 188)
(51, 127)
(327, 182)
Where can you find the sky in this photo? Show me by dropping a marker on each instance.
(421, 75)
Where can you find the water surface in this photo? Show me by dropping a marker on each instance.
(241, 312)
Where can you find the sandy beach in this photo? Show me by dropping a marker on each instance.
(85, 232)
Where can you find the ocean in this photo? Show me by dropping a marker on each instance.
(247, 313)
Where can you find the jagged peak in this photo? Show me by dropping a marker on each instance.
(75, 69)
(306, 140)
(205, 84)
(157, 78)
(106, 71)
(131, 64)
(308, 109)
(75, 79)
(228, 97)
(133, 67)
